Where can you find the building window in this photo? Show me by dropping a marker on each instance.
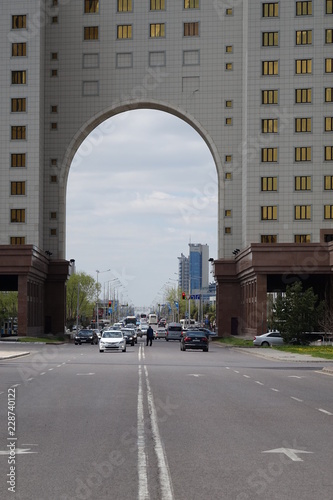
(328, 182)
(90, 33)
(54, 126)
(303, 96)
(124, 5)
(19, 22)
(329, 6)
(269, 213)
(228, 66)
(303, 66)
(228, 121)
(328, 36)
(269, 154)
(227, 213)
(124, 31)
(269, 126)
(19, 77)
(157, 30)
(17, 188)
(229, 49)
(19, 49)
(328, 65)
(270, 67)
(229, 12)
(228, 104)
(54, 109)
(268, 238)
(53, 215)
(228, 158)
(157, 4)
(53, 232)
(303, 124)
(303, 154)
(328, 212)
(302, 212)
(302, 183)
(304, 37)
(303, 8)
(54, 73)
(54, 56)
(328, 153)
(227, 230)
(191, 29)
(54, 162)
(17, 160)
(269, 184)
(191, 4)
(53, 179)
(328, 123)
(302, 238)
(91, 6)
(270, 9)
(270, 39)
(17, 215)
(328, 94)
(54, 3)
(17, 240)
(54, 20)
(18, 132)
(18, 105)
(228, 176)
(269, 97)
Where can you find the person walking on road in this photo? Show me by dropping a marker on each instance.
(150, 335)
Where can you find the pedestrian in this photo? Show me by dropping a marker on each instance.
(150, 335)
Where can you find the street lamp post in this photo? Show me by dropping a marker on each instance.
(98, 272)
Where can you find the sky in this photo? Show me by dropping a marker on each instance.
(141, 187)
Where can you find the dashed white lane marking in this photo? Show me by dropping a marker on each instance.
(275, 390)
(246, 376)
(258, 382)
(143, 493)
(324, 411)
(297, 399)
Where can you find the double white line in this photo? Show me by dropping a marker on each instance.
(162, 463)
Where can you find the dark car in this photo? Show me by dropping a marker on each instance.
(128, 335)
(208, 332)
(86, 336)
(194, 339)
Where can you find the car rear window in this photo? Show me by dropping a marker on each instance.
(175, 328)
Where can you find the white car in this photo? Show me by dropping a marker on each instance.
(112, 340)
(268, 339)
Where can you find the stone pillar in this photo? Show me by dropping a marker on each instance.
(22, 319)
(228, 298)
(55, 297)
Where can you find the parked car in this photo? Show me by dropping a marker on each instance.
(194, 339)
(128, 335)
(174, 332)
(160, 333)
(86, 336)
(268, 339)
(112, 340)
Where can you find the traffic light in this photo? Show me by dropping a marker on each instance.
(110, 303)
(183, 295)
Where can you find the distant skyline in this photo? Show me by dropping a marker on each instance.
(142, 186)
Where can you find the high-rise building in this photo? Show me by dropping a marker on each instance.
(198, 267)
(183, 273)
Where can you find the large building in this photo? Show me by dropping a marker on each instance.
(254, 79)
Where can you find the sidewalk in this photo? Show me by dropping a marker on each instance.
(12, 354)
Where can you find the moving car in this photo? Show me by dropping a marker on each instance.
(160, 333)
(143, 327)
(86, 336)
(112, 340)
(268, 339)
(194, 339)
(174, 332)
(128, 335)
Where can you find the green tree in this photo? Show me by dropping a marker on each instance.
(8, 306)
(83, 286)
(296, 312)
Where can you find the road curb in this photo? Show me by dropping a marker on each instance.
(16, 355)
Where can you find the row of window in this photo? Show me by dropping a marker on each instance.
(302, 96)
(271, 9)
(302, 67)
(303, 37)
(271, 125)
(303, 153)
(301, 183)
(301, 212)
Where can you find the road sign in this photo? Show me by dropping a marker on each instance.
(195, 297)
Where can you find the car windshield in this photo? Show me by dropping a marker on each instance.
(85, 333)
(112, 335)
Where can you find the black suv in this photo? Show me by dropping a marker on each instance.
(86, 336)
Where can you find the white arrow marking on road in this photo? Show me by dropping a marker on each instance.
(85, 374)
(18, 451)
(289, 452)
(195, 375)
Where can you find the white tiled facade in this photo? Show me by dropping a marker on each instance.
(212, 80)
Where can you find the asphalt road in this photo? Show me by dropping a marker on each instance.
(157, 423)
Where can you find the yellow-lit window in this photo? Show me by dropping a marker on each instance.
(191, 29)
(19, 49)
(157, 4)
(17, 215)
(269, 96)
(328, 65)
(328, 36)
(328, 153)
(19, 77)
(269, 126)
(19, 22)
(228, 66)
(269, 184)
(229, 49)
(17, 160)
(302, 183)
(303, 154)
(228, 121)
(270, 9)
(228, 176)
(328, 123)
(18, 132)
(124, 5)
(303, 124)
(268, 238)
(227, 213)
(304, 37)
(328, 182)
(91, 33)
(303, 66)
(303, 96)
(157, 30)
(302, 212)
(124, 31)
(191, 4)
(329, 6)
(228, 158)
(302, 238)
(17, 240)
(227, 230)
(270, 67)
(303, 8)
(269, 213)
(328, 212)
(91, 6)
(228, 104)
(229, 12)
(270, 39)
(329, 94)
(17, 188)
(18, 105)
(269, 154)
